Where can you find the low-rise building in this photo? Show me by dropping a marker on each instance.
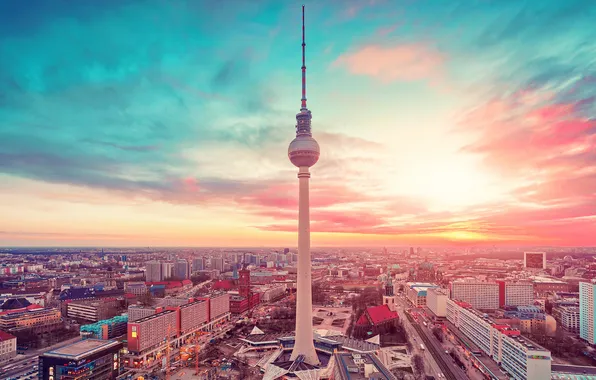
(8, 346)
(105, 329)
(37, 320)
(569, 318)
(136, 312)
(95, 310)
(354, 366)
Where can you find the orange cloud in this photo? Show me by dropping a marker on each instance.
(399, 63)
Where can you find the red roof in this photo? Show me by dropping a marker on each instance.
(375, 315)
(223, 285)
(4, 336)
(33, 306)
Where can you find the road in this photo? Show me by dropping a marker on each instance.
(22, 364)
(431, 366)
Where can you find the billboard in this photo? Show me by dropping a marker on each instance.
(535, 260)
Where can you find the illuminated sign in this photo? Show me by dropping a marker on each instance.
(539, 357)
(134, 331)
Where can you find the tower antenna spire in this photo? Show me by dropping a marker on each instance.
(303, 107)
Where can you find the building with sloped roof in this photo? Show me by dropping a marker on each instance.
(375, 320)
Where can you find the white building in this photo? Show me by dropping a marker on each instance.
(8, 346)
(481, 295)
(436, 300)
(521, 358)
(586, 312)
(519, 293)
(416, 292)
(569, 317)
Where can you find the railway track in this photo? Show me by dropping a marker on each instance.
(445, 367)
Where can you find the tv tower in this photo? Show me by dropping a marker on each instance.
(304, 153)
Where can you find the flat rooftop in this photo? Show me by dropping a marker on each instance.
(83, 348)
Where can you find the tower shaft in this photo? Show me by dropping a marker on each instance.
(304, 344)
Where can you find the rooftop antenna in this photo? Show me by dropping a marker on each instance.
(303, 107)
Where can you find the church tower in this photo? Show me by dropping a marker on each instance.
(388, 295)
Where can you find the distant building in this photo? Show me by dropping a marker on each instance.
(94, 310)
(167, 270)
(481, 295)
(89, 359)
(535, 260)
(153, 271)
(8, 346)
(198, 264)
(416, 292)
(36, 320)
(546, 285)
(182, 270)
(136, 288)
(217, 263)
(587, 313)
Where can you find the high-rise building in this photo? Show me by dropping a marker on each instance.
(587, 317)
(182, 270)
(198, 264)
(535, 260)
(481, 295)
(304, 152)
(153, 271)
(167, 270)
(217, 263)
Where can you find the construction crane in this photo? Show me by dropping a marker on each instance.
(197, 347)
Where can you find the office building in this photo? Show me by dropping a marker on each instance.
(515, 293)
(8, 346)
(535, 260)
(521, 358)
(436, 301)
(153, 271)
(587, 292)
(93, 311)
(105, 329)
(481, 295)
(152, 330)
(89, 359)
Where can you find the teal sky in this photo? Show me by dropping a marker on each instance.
(167, 122)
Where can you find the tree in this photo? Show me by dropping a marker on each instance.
(146, 299)
(418, 364)
(438, 333)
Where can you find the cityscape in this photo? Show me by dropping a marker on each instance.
(431, 215)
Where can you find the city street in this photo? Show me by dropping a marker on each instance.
(430, 365)
(21, 364)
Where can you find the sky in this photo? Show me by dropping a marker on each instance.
(167, 122)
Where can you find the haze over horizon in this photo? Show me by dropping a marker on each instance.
(161, 123)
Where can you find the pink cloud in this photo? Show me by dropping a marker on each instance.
(399, 63)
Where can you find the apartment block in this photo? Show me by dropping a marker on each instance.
(136, 312)
(193, 315)
(151, 331)
(521, 358)
(587, 325)
(219, 304)
(515, 293)
(481, 295)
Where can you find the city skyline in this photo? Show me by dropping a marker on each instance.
(166, 125)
